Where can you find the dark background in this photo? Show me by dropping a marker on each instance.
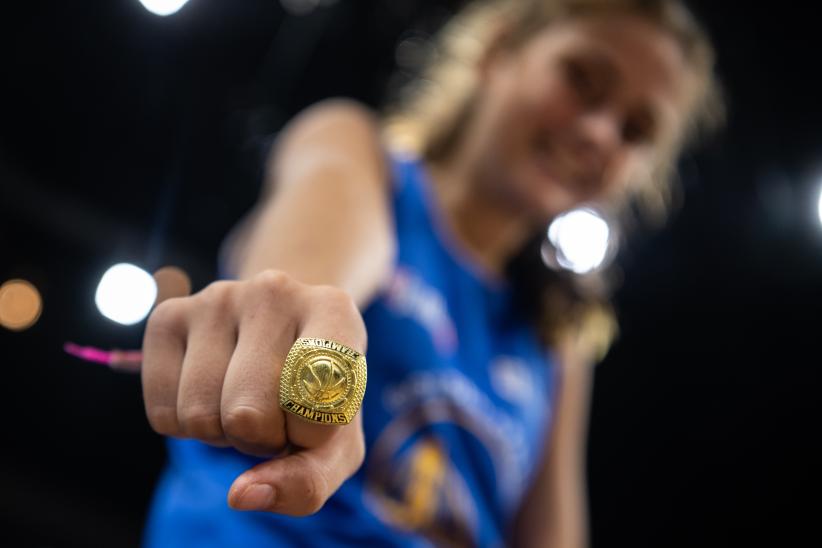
(131, 137)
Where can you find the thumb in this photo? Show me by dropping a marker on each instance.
(300, 483)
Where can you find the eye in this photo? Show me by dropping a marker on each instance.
(638, 129)
(585, 80)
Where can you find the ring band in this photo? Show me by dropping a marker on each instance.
(323, 381)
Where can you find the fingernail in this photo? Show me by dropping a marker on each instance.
(256, 497)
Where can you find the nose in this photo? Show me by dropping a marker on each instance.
(598, 136)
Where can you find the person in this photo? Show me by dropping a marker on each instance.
(409, 234)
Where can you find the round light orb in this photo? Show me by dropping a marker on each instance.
(581, 238)
(20, 305)
(126, 294)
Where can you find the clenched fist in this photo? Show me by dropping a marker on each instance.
(211, 372)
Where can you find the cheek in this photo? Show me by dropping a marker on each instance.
(543, 113)
(548, 107)
(552, 96)
(628, 170)
(535, 107)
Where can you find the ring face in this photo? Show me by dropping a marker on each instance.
(323, 381)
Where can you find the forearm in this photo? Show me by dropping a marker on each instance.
(324, 217)
(567, 522)
(321, 230)
(555, 513)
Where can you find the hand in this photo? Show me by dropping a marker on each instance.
(211, 372)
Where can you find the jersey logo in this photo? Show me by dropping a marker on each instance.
(422, 491)
(447, 449)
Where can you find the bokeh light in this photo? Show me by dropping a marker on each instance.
(20, 305)
(171, 282)
(126, 294)
(581, 238)
(163, 7)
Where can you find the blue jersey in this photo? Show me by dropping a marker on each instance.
(457, 406)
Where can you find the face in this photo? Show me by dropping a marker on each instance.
(579, 112)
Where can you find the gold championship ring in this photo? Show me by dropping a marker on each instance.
(323, 381)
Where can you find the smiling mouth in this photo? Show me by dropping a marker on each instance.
(562, 167)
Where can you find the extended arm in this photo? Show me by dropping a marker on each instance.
(317, 247)
(323, 217)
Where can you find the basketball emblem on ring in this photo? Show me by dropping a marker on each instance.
(323, 381)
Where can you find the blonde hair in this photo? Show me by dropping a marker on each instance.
(430, 113)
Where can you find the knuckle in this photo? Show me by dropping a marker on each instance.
(340, 305)
(201, 422)
(246, 424)
(310, 489)
(335, 298)
(218, 295)
(216, 291)
(168, 316)
(270, 288)
(314, 501)
(163, 420)
(272, 282)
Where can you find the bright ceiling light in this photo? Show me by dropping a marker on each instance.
(163, 7)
